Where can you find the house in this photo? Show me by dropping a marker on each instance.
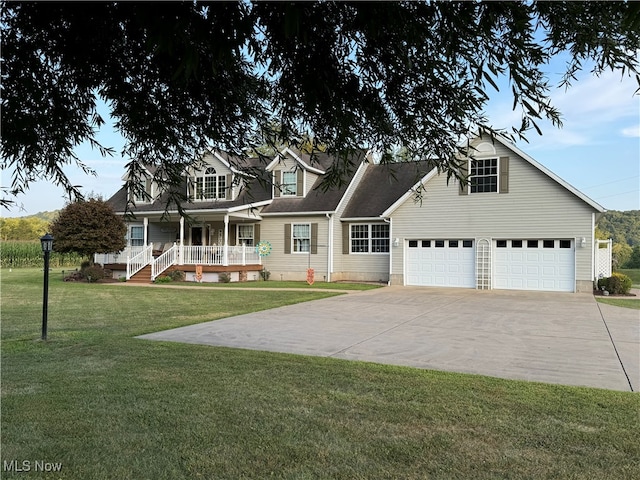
(514, 225)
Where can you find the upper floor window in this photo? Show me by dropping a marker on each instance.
(289, 183)
(370, 238)
(143, 193)
(483, 176)
(210, 186)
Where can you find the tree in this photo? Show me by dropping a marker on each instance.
(88, 227)
(182, 78)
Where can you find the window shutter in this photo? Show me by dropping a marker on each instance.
(256, 233)
(345, 239)
(464, 171)
(277, 181)
(504, 174)
(300, 183)
(229, 185)
(314, 238)
(287, 238)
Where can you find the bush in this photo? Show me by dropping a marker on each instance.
(265, 274)
(617, 283)
(163, 279)
(93, 273)
(176, 275)
(224, 278)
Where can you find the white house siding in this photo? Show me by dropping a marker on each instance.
(536, 207)
(293, 266)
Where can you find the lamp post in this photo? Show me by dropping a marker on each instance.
(47, 245)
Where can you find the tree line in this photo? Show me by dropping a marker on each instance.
(624, 229)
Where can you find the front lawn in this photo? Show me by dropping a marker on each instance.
(104, 404)
(620, 302)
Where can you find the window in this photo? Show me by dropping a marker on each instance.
(414, 243)
(453, 243)
(467, 243)
(484, 175)
(143, 197)
(301, 237)
(210, 186)
(426, 243)
(548, 243)
(289, 183)
(136, 236)
(532, 243)
(370, 238)
(439, 243)
(516, 243)
(245, 235)
(565, 243)
(501, 243)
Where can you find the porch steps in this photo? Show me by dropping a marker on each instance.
(143, 276)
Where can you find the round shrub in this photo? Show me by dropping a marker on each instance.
(617, 283)
(177, 275)
(93, 273)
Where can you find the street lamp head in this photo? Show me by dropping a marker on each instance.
(47, 243)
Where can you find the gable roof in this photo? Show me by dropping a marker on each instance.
(381, 186)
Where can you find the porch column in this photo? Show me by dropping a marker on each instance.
(181, 248)
(225, 255)
(145, 222)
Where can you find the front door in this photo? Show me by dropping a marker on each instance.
(196, 236)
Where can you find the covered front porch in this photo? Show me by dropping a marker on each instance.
(216, 241)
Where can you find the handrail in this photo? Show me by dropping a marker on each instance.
(139, 261)
(164, 261)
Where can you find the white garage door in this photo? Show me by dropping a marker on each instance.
(534, 265)
(442, 263)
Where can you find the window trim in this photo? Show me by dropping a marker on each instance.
(131, 238)
(370, 239)
(199, 182)
(293, 239)
(496, 175)
(253, 233)
(285, 191)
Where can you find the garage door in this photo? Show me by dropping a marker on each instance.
(534, 265)
(441, 263)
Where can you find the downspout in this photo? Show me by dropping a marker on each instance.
(390, 248)
(145, 222)
(329, 246)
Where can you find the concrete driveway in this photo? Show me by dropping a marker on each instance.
(548, 337)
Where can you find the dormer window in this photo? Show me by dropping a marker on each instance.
(289, 183)
(210, 185)
(143, 192)
(483, 176)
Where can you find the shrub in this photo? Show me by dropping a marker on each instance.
(224, 278)
(617, 283)
(163, 279)
(93, 273)
(177, 275)
(265, 274)
(74, 276)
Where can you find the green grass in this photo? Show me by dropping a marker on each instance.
(621, 302)
(634, 274)
(107, 405)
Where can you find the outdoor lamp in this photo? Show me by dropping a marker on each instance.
(583, 242)
(396, 242)
(47, 245)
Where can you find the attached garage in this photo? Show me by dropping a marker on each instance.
(441, 263)
(539, 264)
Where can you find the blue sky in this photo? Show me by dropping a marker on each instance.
(597, 150)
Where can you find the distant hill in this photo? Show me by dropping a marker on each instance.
(622, 227)
(27, 228)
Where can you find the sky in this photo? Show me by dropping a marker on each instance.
(597, 150)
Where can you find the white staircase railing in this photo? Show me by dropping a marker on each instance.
(164, 261)
(139, 261)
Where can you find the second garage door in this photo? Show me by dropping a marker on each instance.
(534, 265)
(442, 263)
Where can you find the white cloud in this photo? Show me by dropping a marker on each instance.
(633, 131)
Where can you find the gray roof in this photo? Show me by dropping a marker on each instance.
(383, 185)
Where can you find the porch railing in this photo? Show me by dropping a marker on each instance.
(119, 257)
(215, 255)
(164, 261)
(139, 261)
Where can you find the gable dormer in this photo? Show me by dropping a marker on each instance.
(212, 180)
(292, 174)
(144, 190)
